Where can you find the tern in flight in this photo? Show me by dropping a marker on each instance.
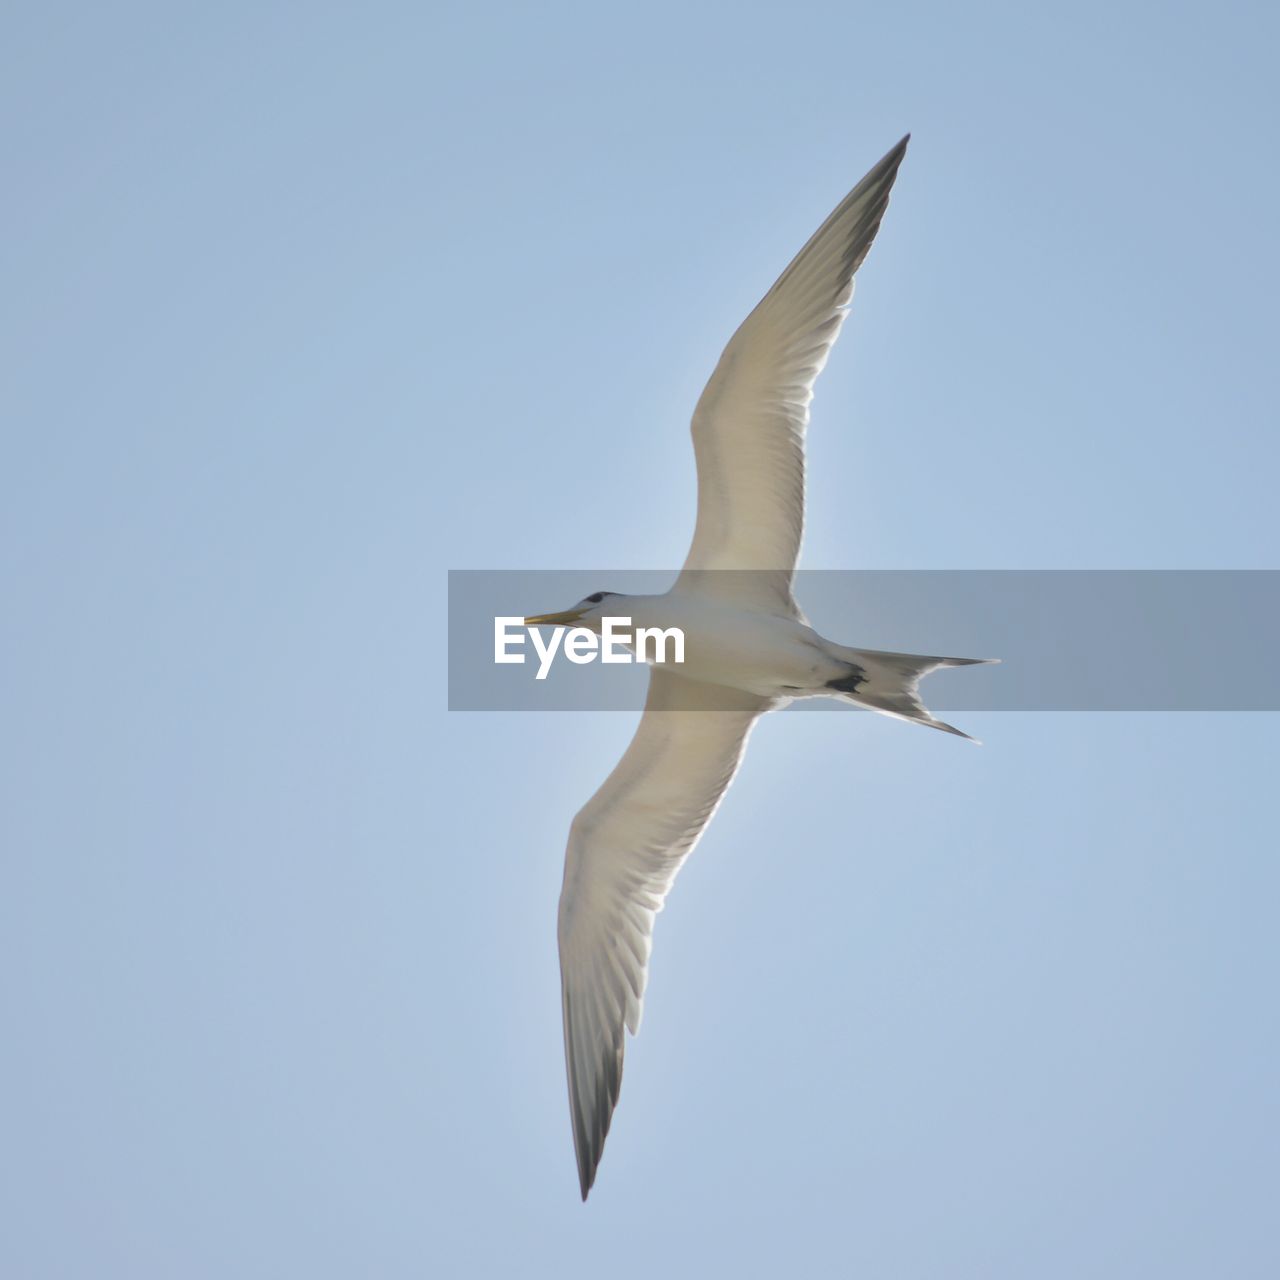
(747, 650)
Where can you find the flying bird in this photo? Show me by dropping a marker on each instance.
(747, 649)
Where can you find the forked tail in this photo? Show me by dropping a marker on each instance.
(889, 683)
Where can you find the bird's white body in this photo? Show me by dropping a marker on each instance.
(772, 655)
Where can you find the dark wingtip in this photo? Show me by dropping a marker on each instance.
(893, 157)
(588, 1164)
(587, 1176)
(885, 172)
(593, 1096)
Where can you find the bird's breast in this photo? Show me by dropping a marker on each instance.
(762, 653)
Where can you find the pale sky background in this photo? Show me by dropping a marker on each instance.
(305, 305)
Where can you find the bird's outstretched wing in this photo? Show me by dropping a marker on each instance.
(625, 847)
(748, 427)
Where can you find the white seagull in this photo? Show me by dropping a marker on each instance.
(748, 650)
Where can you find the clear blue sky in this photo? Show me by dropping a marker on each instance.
(305, 305)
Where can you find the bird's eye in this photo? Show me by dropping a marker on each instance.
(596, 598)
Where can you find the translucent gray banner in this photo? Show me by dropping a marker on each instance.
(1070, 640)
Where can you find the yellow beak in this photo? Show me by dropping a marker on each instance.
(565, 619)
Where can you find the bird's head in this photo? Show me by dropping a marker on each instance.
(588, 612)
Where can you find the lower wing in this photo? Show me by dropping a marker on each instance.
(625, 847)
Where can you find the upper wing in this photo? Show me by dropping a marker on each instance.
(748, 427)
(625, 847)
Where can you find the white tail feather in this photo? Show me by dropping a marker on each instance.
(889, 683)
